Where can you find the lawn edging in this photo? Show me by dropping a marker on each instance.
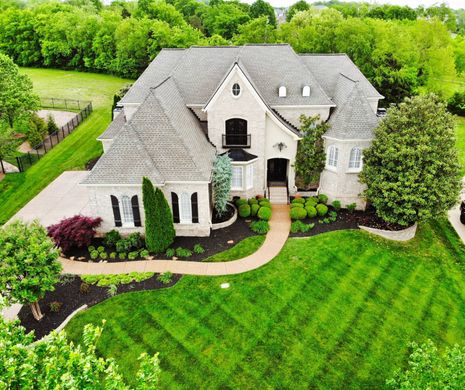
(229, 222)
(393, 235)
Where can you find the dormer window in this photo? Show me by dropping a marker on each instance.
(306, 91)
(282, 91)
(236, 89)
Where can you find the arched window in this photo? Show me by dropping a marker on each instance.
(282, 92)
(185, 208)
(333, 155)
(127, 215)
(306, 91)
(195, 207)
(355, 160)
(236, 89)
(175, 207)
(236, 133)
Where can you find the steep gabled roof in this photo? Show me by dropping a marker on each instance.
(199, 70)
(353, 117)
(114, 128)
(328, 67)
(163, 140)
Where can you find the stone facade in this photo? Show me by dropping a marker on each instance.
(100, 204)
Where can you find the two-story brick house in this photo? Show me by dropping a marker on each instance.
(192, 104)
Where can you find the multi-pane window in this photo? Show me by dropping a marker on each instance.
(236, 183)
(236, 89)
(127, 215)
(185, 208)
(355, 160)
(333, 155)
(249, 178)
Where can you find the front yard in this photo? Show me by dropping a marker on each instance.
(336, 310)
(74, 151)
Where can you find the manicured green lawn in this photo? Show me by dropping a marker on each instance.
(76, 149)
(243, 248)
(335, 310)
(460, 133)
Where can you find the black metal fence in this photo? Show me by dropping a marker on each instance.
(85, 109)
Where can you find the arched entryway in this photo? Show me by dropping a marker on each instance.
(277, 171)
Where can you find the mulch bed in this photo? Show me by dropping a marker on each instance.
(217, 242)
(348, 220)
(69, 295)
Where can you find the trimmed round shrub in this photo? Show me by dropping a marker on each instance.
(298, 200)
(240, 202)
(264, 213)
(322, 210)
(244, 210)
(312, 201)
(322, 198)
(265, 203)
(311, 211)
(337, 205)
(298, 213)
(253, 201)
(297, 205)
(254, 209)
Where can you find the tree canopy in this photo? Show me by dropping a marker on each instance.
(429, 368)
(29, 266)
(17, 98)
(411, 169)
(54, 363)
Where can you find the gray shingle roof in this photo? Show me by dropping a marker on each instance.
(353, 117)
(163, 140)
(198, 71)
(156, 72)
(114, 128)
(327, 67)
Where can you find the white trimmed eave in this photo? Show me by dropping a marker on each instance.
(244, 162)
(237, 70)
(348, 139)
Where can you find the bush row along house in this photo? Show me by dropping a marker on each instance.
(192, 104)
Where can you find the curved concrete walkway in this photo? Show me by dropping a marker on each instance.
(275, 240)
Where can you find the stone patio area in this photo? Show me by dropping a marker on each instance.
(61, 199)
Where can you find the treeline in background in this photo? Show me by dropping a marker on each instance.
(403, 51)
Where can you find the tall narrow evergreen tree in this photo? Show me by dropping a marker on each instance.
(159, 229)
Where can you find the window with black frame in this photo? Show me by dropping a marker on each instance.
(236, 133)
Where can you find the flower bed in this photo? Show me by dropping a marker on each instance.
(69, 296)
(331, 217)
(218, 241)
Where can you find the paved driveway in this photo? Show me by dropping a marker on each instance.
(61, 199)
(454, 216)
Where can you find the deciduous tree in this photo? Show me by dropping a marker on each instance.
(55, 363)
(16, 95)
(29, 266)
(310, 158)
(262, 8)
(428, 368)
(412, 170)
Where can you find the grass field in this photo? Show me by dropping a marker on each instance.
(243, 248)
(336, 310)
(460, 133)
(76, 149)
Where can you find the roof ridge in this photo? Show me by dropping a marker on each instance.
(186, 147)
(349, 78)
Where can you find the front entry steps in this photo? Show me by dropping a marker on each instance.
(278, 195)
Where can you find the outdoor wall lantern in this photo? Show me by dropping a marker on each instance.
(280, 146)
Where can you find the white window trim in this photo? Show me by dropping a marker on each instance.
(249, 176)
(359, 169)
(183, 218)
(126, 223)
(242, 178)
(328, 150)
